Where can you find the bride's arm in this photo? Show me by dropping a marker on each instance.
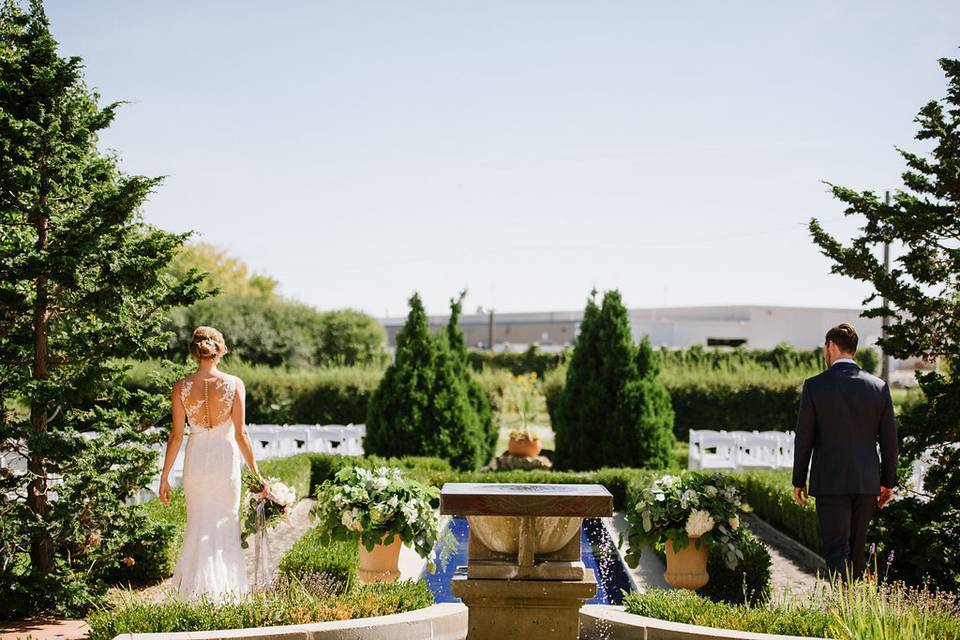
(239, 415)
(173, 443)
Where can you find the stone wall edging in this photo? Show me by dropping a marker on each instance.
(607, 622)
(445, 621)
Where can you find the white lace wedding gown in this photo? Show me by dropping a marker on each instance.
(211, 562)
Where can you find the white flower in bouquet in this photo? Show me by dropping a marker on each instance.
(351, 520)
(283, 494)
(379, 484)
(659, 497)
(711, 490)
(734, 522)
(699, 523)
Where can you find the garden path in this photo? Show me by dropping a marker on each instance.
(795, 567)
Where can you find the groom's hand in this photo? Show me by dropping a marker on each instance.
(885, 494)
(800, 495)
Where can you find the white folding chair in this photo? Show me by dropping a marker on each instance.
(759, 450)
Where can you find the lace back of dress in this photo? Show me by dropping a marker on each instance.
(208, 401)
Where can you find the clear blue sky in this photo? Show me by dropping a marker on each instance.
(358, 151)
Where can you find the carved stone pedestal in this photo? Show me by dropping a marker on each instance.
(525, 609)
(525, 576)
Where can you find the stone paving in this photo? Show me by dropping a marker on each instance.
(795, 567)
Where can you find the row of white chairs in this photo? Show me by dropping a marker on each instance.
(736, 450)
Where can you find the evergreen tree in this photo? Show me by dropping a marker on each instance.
(478, 396)
(923, 290)
(422, 406)
(613, 411)
(82, 283)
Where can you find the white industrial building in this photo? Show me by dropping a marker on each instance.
(752, 326)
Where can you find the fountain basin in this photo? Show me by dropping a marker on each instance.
(502, 533)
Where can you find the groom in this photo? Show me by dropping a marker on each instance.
(844, 412)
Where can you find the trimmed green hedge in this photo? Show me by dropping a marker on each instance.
(293, 602)
(770, 495)
(436, 472)
(311, 555)
(679, 605)
(863, 611)
(332, 395)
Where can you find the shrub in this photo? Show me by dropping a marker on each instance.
(613, 411)
(748, 583)
(423, 405)
(313, 555)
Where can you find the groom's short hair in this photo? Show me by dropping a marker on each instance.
(844, 336)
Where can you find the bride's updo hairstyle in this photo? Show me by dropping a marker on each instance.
(207, 343)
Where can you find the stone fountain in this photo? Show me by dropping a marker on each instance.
(524, 577)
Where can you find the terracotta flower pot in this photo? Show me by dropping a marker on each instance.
(524, 447)
(686, 569)
(381, 563)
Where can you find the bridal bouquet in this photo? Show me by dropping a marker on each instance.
(371, 505)
(698, 507)
(264, 511)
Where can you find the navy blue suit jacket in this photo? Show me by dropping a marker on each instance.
(844, 412)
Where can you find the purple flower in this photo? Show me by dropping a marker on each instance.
(890, 556)
(873, 548)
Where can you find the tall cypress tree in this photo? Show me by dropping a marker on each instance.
(396, 416)
(478, 396)
(423, 405)
(81, 285)
(613, 411)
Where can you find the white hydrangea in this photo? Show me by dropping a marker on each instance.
(379, 484)
(409, 510)
(688, 498)
(351, 520)
(699, 523)
(734, 522)
(666, 481)
(711, 490)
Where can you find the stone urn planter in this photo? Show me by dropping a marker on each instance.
(524, 446)
(687, 568)
(381, 563)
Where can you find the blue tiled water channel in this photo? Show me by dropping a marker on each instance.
(599, 553)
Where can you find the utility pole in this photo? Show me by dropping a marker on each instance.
(490, 332)
(884, 358)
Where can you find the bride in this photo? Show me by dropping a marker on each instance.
(211, 562)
